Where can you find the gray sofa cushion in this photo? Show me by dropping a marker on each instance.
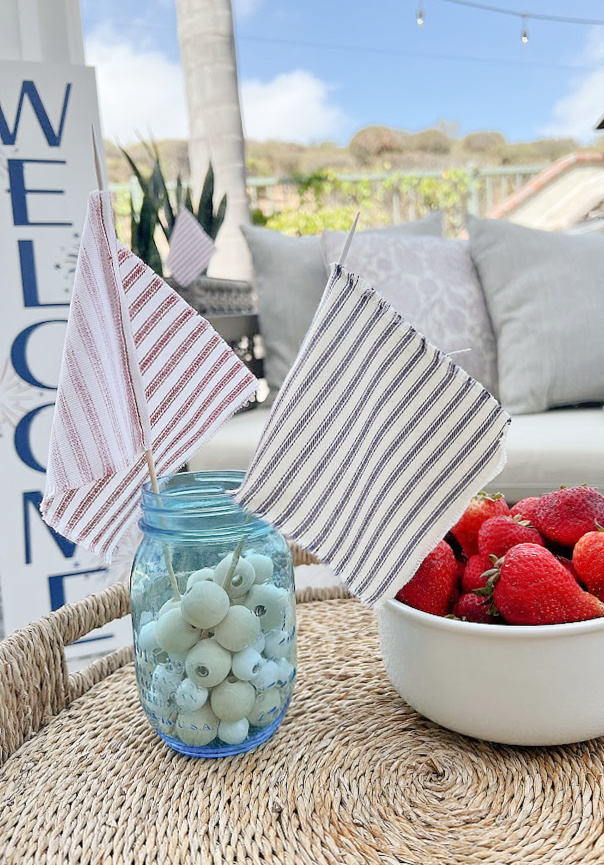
(545, 295)
(289, 279)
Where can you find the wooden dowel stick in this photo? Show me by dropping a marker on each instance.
(349, 240)
(167, 555)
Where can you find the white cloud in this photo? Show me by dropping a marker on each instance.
(294, 106)
(577, 113)
(246, 8)
(141, 92)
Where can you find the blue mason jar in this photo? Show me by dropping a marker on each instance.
(213, 617)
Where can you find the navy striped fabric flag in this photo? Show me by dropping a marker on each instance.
(375, 443)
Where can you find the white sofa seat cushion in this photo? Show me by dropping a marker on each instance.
(545, 451)
(563, 447)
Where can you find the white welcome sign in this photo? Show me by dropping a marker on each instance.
(47, 113)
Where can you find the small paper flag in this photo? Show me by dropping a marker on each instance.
(191, 248)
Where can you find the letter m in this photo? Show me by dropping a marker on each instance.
(28, 88)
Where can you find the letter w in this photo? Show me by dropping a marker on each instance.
(28, 88)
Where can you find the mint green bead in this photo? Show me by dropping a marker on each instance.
(232, 700)
(205, 604)
(197, 728)
(238, 630)
(208, 663)
(233, 732)
(173, 633)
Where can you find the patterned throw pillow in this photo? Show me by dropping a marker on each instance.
(289, 279)
(431, 281)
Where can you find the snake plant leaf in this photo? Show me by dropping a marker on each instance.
(219, 217)
(204, 211)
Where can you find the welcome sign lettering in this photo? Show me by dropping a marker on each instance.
(47, 113)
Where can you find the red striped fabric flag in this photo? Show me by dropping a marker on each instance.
(141, 370)
(191, 248)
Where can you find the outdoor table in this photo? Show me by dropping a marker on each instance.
(352, 775)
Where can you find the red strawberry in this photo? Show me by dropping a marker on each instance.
(525, 508)
(479, 509)
(473, 575)
(434, 586)
(533, 588)
(474, 609)
(564, 515)
(498, 534)
(588, 561)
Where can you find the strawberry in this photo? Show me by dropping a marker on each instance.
(534, 588)
(435, 585)
(475, 572)
(471, 608)
(588, 561)
(498, 534)
(563, 515)
(479, 509)
(525, 508)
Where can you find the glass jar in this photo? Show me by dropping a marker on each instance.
(213, 617)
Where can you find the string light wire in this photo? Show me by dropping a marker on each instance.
(535, 16)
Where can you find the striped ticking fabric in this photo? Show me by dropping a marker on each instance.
(141, 369)
(374, 445)
(191, 248)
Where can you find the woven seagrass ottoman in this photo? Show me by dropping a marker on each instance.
(352, 775)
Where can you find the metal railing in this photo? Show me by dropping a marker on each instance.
(401, 195)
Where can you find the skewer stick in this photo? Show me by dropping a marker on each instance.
(344, 252)
(98, 165)
(167, 555)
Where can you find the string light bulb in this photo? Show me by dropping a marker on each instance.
(524, 37)
(419, 17)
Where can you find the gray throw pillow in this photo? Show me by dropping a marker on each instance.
(545, 295)
(289, 279)
(433, 284)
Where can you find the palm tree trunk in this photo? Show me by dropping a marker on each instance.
(208, 55)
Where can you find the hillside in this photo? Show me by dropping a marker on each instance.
(376, 148)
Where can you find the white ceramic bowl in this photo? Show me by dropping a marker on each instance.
(502, 683)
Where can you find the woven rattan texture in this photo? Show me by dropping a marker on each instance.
(351, 776)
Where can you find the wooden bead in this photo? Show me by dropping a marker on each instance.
(175, 661)
(201, 574)
(172, 604)
(189, 697)
(277, 644)
(238, 629)
(204, 604)
(266, 677)
(147, 641)
(268, 603)
(285, 672)
(242, 578)
(265, 709)
(233, 732)
(173, 633)
(165, 682)
(232, 700)
(246, 664)
(197, 728)
(208, 663)
(262, 565)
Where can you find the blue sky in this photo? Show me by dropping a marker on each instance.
(315, 70)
